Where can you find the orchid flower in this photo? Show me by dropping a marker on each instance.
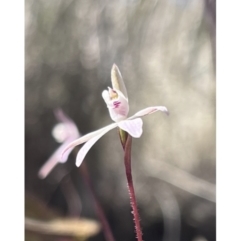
(117, 103)
(64, 132)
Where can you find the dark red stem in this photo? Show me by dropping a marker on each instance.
(127, 161)
(106, 229)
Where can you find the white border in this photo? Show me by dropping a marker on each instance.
(12, 119)
(228, 120)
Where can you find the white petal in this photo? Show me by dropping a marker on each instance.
(60, 132)
(87, 146)
(133, 127)
(88, 137)
(105, 96)
(148, 111)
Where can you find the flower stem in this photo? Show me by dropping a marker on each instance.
(105, 226)
(127, 161)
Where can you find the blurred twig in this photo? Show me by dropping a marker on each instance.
(82, 228)
(186, 181)
(170, 212)
(72, 197)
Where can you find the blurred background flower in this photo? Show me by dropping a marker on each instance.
(162, 47)
(64, 132)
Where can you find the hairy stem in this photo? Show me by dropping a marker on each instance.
(127, 161)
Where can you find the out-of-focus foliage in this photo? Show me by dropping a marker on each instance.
(165, 50)
(41, 221)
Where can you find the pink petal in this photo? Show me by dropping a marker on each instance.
(63, 158)
(53, 160)
(133, 127)
(148, 111)
(71, 133)
(89, 136)
(87, 146)
(118, 107)
(61, 116)
(71, 128)
(47, 167)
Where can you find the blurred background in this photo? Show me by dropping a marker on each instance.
(165, 50)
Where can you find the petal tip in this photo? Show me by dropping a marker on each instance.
(167, 112)
(138, 135)
(41, 175)
(164, 109)
(114, 65)
(77, 164)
